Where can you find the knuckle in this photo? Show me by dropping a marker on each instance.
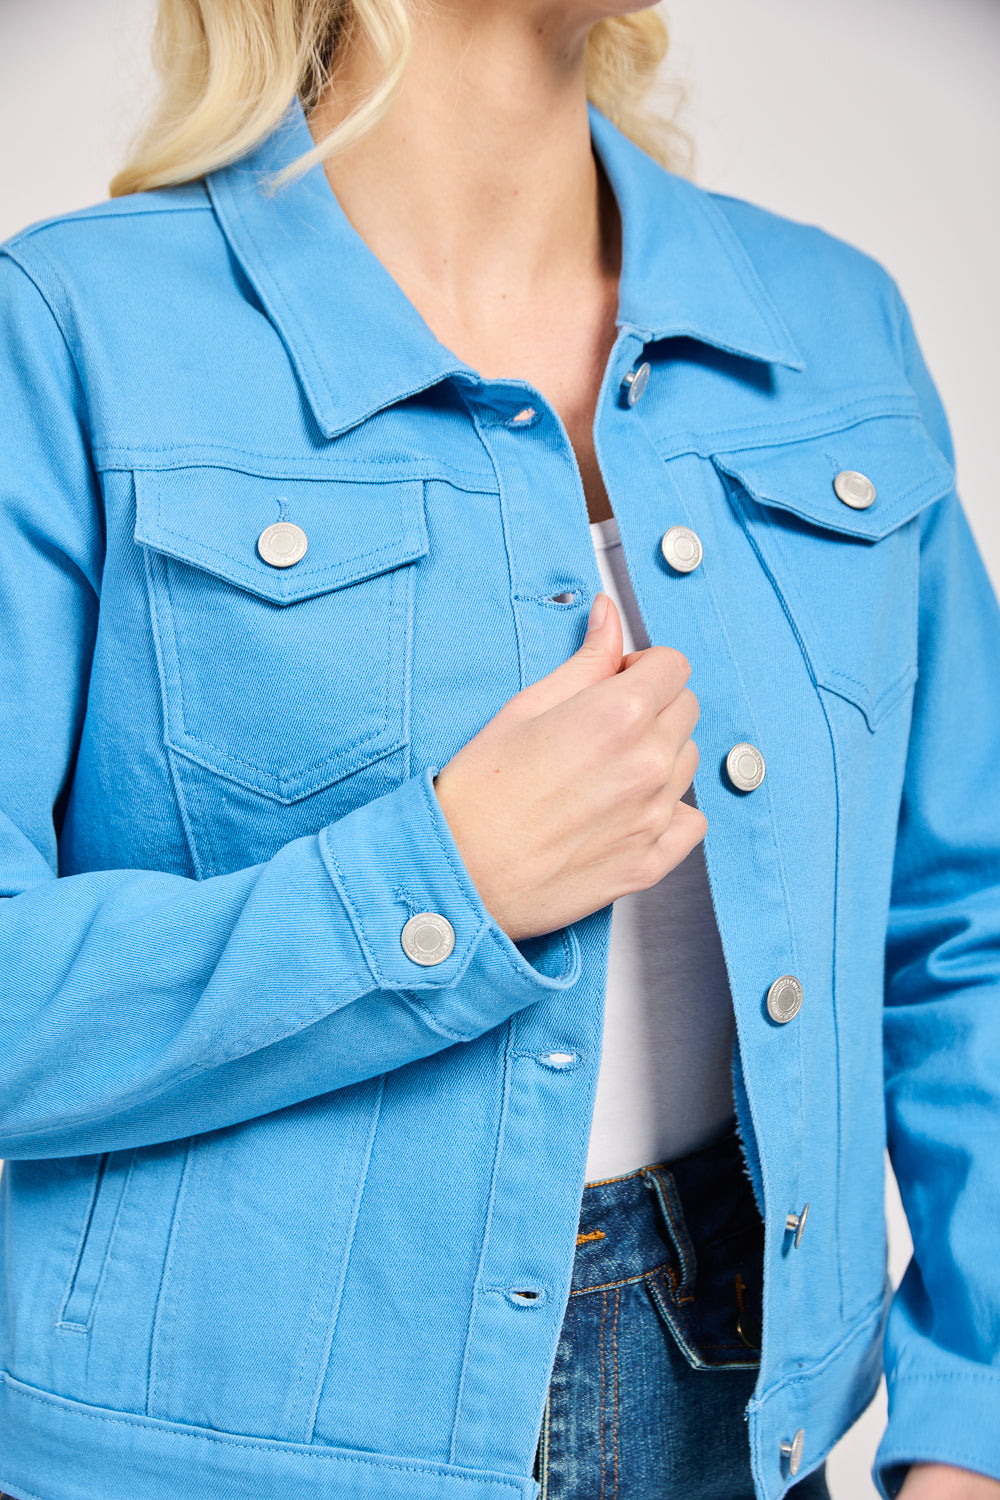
(646, 870)
(672, 670)
(657, 865)
(698, 827)
(654, 766)
(631, 709)
(684, 710)
(666, 766)
(676, 661)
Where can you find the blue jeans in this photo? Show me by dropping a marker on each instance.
(660, 1344)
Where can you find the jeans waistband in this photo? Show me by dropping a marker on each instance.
(659, 1214)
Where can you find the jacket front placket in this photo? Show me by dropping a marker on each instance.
(772, 922)
(553, 1047)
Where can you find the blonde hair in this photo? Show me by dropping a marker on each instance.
(229, 69)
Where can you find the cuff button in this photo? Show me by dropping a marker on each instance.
(427, 938)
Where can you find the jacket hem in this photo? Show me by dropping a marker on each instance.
(58, 1449)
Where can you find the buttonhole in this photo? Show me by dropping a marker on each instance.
(407, 899)
(558, 1060)
(526, 1296)
(563, 598)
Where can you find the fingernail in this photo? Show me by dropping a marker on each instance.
(598, 610)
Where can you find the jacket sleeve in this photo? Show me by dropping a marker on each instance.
(142, 1006)
(942, 1007)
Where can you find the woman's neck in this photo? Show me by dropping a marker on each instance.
(479, 191)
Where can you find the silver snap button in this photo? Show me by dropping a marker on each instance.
(784, 999)
(681, 548)
(745, 767)
(282, 544)
(793, 1451)
(635, 382)
(795, 1223)
(856, 490)
(428, 938)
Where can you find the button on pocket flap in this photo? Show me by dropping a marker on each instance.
(213, 518)
(895, 455)
(827, 517)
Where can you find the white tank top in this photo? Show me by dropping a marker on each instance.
(664, 1086)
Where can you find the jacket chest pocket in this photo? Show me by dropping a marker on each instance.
(281, 679)
(847, 574)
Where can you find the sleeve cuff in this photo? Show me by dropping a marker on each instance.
(949, 1414)
(396, 856)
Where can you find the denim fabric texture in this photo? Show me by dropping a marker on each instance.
(275, 1192)
(660, 1345)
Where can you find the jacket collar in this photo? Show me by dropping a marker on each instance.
(359, 344)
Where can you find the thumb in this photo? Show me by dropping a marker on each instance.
(600, 652)
(598, 656)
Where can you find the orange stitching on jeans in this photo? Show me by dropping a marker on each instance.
(581, 1291)
(614, 1335)
(604, 1310)
(581, 1239)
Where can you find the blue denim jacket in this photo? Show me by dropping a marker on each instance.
(272, 1186)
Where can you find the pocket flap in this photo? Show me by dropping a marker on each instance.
(212, 517)
(896, 453)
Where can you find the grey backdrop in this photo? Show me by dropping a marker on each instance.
(877, 119)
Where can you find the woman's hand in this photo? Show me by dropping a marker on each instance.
(570, 796)
(944, 1482)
